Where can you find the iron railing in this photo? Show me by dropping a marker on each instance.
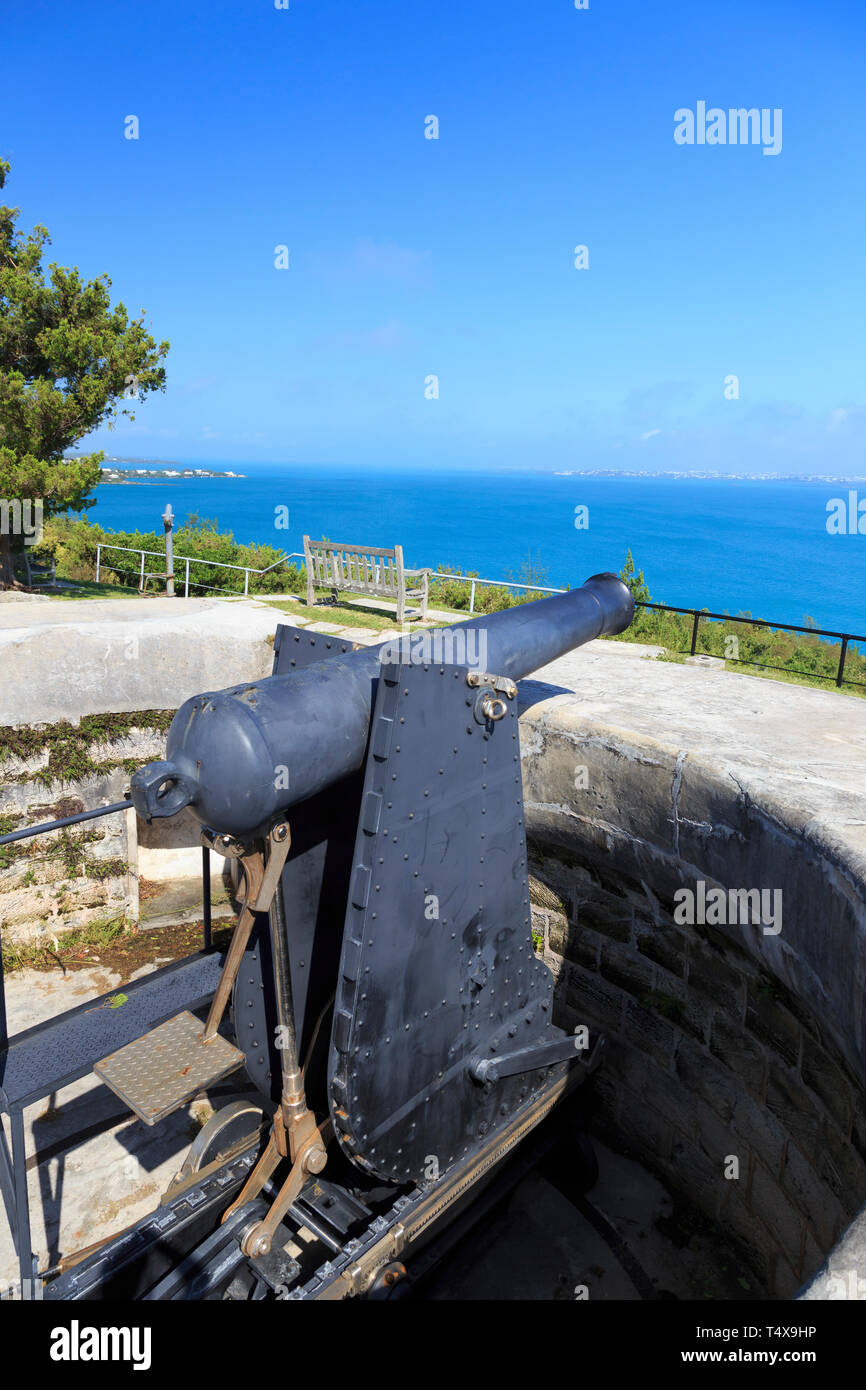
(844, 638)
(697, 614)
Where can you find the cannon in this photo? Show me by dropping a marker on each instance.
(381, 992)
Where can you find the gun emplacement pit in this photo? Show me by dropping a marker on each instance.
(727, 1038)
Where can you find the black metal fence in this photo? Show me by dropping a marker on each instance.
(699, 614)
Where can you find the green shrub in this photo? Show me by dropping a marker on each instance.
(71, 542)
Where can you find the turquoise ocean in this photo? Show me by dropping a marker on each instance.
(729, 545)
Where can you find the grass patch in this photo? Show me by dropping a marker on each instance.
(335, 613)
(84, 589)
(40, 954)
(348, 615)
(114, 944)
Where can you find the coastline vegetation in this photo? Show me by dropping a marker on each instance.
(797, 657)
(71, 541)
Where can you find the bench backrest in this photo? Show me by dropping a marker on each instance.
(370, 568)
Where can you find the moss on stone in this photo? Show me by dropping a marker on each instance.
(102, 869)
(69, 746)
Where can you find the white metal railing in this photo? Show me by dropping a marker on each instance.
(497, 583)
(188, 560)
(247, 570)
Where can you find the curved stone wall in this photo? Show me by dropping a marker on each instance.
(736, 1052)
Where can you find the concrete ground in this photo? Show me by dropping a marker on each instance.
(804, 746)
(136, 653)
(128, 654)
(87, 1185)
(806, 741)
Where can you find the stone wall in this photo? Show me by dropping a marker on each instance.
(109, 662)
(103, 870)
(723, 1042)
(83, 873)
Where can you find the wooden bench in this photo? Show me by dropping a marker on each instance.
(35, 569)
(364, 569)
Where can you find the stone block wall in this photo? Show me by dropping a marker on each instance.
(84, 873)
(733, 1060)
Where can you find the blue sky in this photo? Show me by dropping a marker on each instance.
(409, 257)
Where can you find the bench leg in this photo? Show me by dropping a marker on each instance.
(310, 594)
(425, 585)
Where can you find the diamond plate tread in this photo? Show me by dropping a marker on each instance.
(159, 1072)
(52, 1054)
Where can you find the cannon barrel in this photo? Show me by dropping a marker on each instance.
(243, 756)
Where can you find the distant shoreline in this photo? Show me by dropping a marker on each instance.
(131, 470)
(128, 477)
(705, 476)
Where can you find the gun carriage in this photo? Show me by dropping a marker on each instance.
(380, 993)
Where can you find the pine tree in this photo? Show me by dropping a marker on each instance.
(67, 361)
(635, 582)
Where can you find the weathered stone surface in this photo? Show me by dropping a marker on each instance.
(737, 1050)
(772, 1024)
(811, 1196)
(813, 1256)
(785, 1280)
(594, 1001)
(573, 942)
(841, 1167)
(624, 967)
(712, 976)
(646, 1030)
(136, 653)
(745, 1228)
(760, 1132)
(696, 1172)
(824, 1077)
(664, 944)
(714, 1084)
(642, 1130)
(607, 915)
(795, 1110)
(689, 790)
(718, 1141)
(779, 1214)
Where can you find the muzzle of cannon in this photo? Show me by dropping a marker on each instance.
(381, 983)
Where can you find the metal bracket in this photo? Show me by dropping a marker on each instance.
(501, 684)
(262, 883)
(310, 1157)
(546, 1054)
(226, 845)
(489, 706)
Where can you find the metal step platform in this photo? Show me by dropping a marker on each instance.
(159, 1072)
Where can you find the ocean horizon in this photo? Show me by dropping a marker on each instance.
(736, 545)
